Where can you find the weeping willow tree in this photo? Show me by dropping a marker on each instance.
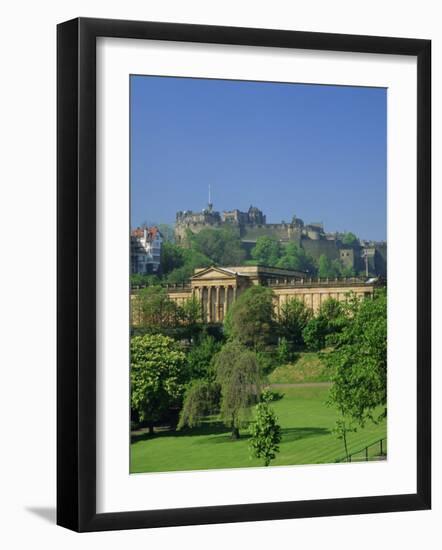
(201, 399)
(239, 378)
(235, 389)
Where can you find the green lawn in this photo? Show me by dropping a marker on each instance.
(306, 424)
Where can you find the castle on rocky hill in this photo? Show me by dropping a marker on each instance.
(369, 256)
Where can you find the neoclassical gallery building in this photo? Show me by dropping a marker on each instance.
(218, 287)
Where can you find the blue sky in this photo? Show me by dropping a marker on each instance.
(315, 151)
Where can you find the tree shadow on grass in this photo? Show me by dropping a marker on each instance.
(221, 434)
(288, 434)
(295, 434)
(206, 428)
(226, 437)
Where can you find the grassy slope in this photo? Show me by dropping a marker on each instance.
(308, 367)
(306, 424)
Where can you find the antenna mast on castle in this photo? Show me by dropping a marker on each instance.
(210, 199)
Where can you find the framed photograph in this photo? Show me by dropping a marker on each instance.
(243, 274)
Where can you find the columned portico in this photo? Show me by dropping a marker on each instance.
(217, 288)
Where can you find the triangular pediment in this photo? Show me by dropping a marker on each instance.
(214, 273)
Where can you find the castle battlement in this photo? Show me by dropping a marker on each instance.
(251, 224)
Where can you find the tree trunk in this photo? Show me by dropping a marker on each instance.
(345, 443)
(235, 433)
(151, 430)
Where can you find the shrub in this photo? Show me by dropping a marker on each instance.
(265, 432)
(284, 352)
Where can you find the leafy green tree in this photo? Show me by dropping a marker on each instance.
(342, 428)
(348, 271)
(267, 358)
(191, 311)
(250, 320)
(157, 373)
(179, 275)
(323, 329)
(284, 351)
(138, 279)
(293, 317)
(191, 259)
(337, 316)
(233, 251)
(266, 251)
(336, 267)
(359, 362)
(209, 243)
(315, 332)
(324, 266)
(194, 258)
(172, 257)
(221, 246)
(239, 377)
(265, 431)
(295, 257)
(156, 308)
(200, 358)
(350, 239)
(331, 309)
(328, 268)
(201, 399)
(167, 232)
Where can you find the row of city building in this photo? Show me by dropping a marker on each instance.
(145, 250)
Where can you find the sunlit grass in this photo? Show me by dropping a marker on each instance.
(307, 438)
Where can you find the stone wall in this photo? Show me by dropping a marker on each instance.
(280, 231)
(315, 248)
(313, 295)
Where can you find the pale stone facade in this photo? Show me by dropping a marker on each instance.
(217, 288)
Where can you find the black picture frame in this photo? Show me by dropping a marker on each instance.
(76, 273)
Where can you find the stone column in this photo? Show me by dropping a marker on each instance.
(199, 296)
(203, 311)
(217, 316)
(209, 304)
(226, 298)
(316, 302)
(234, 293)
